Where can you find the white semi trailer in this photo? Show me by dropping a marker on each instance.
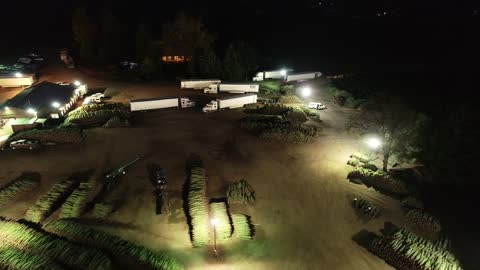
(16, 80)
(230, 102)
(234, 88)
(271, 74)
(295, 77)
(160, 103)
(198, 84)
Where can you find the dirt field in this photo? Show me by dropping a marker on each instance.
(303, 215)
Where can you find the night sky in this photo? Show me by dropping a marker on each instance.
(341, 34)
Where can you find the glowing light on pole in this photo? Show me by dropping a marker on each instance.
(374, 142)
(55, 104)
(18, 75)
(214, 223)
(306, 91)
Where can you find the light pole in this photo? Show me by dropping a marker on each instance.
(374, 142)
(306, 91)
(214, 223)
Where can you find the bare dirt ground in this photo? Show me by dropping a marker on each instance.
(303, 215)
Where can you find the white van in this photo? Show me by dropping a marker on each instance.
(316, 106)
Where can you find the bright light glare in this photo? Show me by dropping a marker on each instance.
(306, 91)
(6, 108)
(31, 111)
(214, 222)
(77, 83)
(55, 104)
(374, 142)
(283, 72)
(18, 74)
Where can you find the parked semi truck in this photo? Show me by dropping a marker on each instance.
(198, 84)
(271, 74)
(16, 80)
(232, 102)
(160, 103)
(303, 76)
(235, 88)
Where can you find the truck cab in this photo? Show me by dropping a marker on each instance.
(211, 89)
(186, 103)
(211, 106)
(258, 77)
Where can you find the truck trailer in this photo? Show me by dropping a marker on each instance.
(234, 88)
(271, 74)
(231, 102)
(160, 103)
(295, 77)
(198, 83)
(16, 80)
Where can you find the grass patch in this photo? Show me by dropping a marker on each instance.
(270, 86)
(48, 203)
(38, 242)
(75, 231)
(17, 188)
(290, 99)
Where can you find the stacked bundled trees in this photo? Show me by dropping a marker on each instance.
(412, 203)
(17, 188)
(110, 203)
(13, 258)
(76, 202)
(274, 127)
(97, 114)
(243, 227)
(116, 122)
(240, 192)
(55, 135)
(379, 180)
(198, 207)
(118, 247)
(366, 207)
(424, 220)
(38, 242)
(405, 250)
(48, 203)
(224, 228)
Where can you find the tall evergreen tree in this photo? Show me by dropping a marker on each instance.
(85, 32)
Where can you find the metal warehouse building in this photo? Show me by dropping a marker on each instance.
(43, 100)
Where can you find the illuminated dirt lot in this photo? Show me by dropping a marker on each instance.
(302, 215)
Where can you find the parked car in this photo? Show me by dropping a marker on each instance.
(316, 106)
(24, 144)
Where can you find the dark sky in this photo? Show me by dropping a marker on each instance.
(300, 32)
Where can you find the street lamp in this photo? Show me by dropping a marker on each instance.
(32, 111)
(18, 75)
(374, 142)
(214, 223)
(283, 72)
(77, 83)
(55, 104)
(306, 91)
